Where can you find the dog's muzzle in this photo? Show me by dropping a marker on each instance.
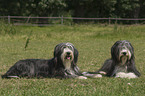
(68, 55)
(125, 53)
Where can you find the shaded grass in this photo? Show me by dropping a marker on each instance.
(93, 43)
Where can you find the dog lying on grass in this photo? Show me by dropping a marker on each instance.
(121, 64)
(62, 65)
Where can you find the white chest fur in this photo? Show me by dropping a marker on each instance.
(121, 71)
(122, 68)
(126, 75)
(67, 64)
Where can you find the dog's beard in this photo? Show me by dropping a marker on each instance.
(123, 60)
(124, 55)
(67, 57)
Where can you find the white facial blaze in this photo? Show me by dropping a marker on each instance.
(67, 57)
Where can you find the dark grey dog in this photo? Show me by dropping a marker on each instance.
(121, 64)
(62, 65)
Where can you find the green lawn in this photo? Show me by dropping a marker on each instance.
(93, 43)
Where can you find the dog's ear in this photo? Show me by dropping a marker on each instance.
(76, 53)
(55, 62)
(132, 67)
(57, 49)
(114, 50)
(131, 50)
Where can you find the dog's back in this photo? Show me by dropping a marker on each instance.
(30, 68)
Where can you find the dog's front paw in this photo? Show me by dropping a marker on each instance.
(82, 77)
(102, 72)
(126, 75)
(97, 76)
(92, 75)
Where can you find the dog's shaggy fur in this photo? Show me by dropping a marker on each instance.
(62, 65)
(122, 62)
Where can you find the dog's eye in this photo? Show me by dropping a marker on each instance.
(70, 47)
(126, 44)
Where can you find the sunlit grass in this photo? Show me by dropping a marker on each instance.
(93, 43)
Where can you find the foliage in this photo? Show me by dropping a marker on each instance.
(7, 29)
(91, 8)
(28, 40)
(127, 8)
(75, 8)
(32, 7)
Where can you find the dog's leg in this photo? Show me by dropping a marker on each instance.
(91, 75)
(11, 73)
(126, 75)
(81, 77)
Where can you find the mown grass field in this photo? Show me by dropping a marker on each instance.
(93, 43)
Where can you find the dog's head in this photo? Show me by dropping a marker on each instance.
(122, 51)
(66, 51)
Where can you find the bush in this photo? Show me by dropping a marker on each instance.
(7, 29)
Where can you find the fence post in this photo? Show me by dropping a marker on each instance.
(61, 20)
(28, 19)
(109, 21)
(116, 21)
(9, 19)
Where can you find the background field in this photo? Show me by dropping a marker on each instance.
(93, 43)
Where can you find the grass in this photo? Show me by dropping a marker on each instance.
(93, 43)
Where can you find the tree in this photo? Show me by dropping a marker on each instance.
(46, 7)
(32, 7)
(142, 9)
(127, 8)
(91, 8)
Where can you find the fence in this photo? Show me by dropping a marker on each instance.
(45, 21)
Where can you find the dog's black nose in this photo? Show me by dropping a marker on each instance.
(124, 53)
(68, 53)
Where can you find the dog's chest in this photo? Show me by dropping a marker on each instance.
(121, 68)
(68, 68)
(123, 60)
(67, 64)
